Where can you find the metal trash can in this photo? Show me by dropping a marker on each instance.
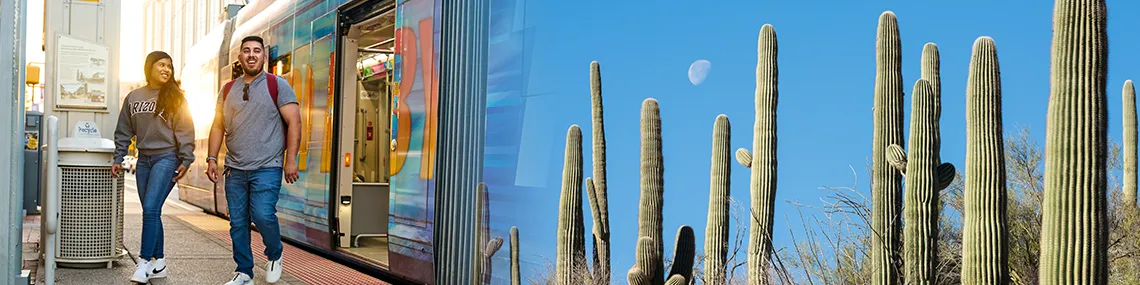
(90, 204)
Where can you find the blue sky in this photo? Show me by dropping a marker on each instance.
(826, 78)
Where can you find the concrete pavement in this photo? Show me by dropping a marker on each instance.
(193, 256)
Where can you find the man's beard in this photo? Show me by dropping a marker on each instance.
(251, 72)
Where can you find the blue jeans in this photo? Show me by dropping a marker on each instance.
(153, 176)
(253, 195)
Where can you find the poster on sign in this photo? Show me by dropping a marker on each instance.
(81, 74)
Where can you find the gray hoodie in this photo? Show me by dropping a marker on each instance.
(153, 134)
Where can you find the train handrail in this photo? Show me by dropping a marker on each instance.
(50, 214)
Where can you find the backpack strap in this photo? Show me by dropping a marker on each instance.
(272, 81)
(226, 90)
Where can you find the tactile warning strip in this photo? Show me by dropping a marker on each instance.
(307, 267)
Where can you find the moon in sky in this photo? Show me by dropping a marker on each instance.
(698, 71)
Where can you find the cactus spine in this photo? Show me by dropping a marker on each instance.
(571, 259)
(598, 197)
(984, 238)
(763, 164)
(1129, 145)
(1074, 228)
(516, 278)
(716, 231)
(886, 188)
(921, 209)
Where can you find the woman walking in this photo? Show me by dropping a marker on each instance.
(157, 117)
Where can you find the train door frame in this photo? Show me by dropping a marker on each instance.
(349, 15)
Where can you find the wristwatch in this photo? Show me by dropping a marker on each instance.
(211, 158)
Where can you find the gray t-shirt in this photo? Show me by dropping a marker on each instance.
(254, 129)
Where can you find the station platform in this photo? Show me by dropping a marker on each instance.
(197, 249)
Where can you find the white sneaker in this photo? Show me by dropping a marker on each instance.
(142, 270)
(157, 268)
(273, 271)
(240, 279)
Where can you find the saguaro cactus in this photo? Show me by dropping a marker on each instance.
(1074, 228)
(571, 262)
(652, 186)
(921, 212)
(649, 268)
(716, 232)
(763, 165)
(485, 245)
(984, 238)
(1129, 98)
(886, 183)
(515, 274)
(597, 187)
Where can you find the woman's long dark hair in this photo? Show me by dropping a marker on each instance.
(170, 97)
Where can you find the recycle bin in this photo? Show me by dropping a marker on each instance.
(90, 204)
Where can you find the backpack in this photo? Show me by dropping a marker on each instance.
(270, 80)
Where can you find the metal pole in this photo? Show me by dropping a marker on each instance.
(50, 213)
(11, 152)
(462, 124)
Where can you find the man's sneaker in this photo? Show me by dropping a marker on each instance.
(142, 271)
(273, 271)
(240, 279)
(157, 268)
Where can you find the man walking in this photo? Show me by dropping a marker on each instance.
(259, 118)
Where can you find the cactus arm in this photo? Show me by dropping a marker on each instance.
(984, 239)
(516, 278)
(1129, 98)
(647, 256)
(1074, 236)
(602, 218)
(652, 186)
(931, 72)
(945, 175)
(492, 247)
(763, 168)
(886, 188)
(896, 156)
(571, 240)
(683, 253)
(744, 157)
(597, 234)
(677, 280)
(921, 211)
(716, 231)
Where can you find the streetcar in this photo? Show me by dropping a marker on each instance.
(365, 74)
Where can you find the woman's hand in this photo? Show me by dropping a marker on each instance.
(116, 169)
(179, 173)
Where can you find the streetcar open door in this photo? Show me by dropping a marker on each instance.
(364, 140)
